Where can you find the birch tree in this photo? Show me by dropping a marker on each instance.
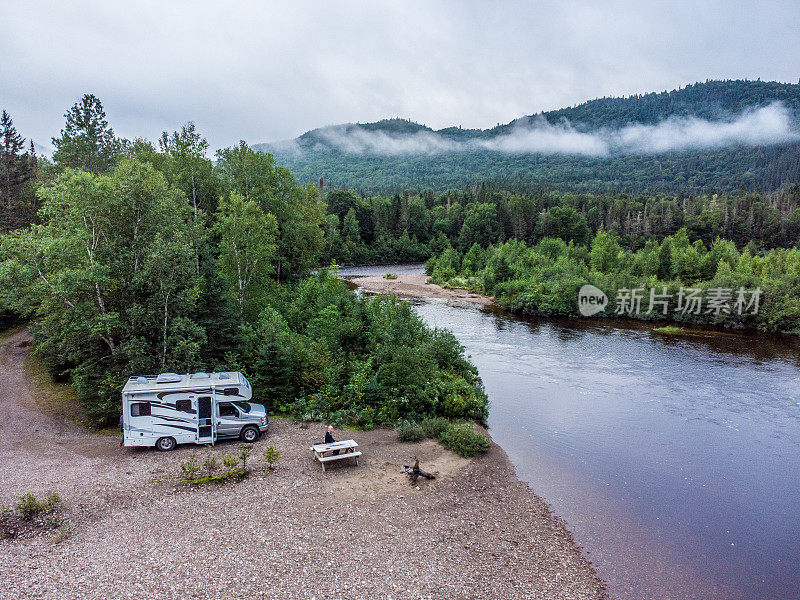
(247, 251)
(107, 278)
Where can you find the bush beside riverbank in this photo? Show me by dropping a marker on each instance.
(545, 279)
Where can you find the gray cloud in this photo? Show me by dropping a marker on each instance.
(262, 70)
(767, 125)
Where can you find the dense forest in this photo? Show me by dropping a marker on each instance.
(130, 258)
(752, 166)
(407, 227)
(534, 252)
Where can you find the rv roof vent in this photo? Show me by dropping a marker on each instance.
(141, 380)
(198, 376)
(224, 376)
(168, 378)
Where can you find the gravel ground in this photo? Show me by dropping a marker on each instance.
(352, 532)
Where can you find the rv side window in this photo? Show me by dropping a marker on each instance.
(183, 405)
(140, 409)
(226, 409)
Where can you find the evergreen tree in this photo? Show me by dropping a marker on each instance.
(86, 142)
(16, 171)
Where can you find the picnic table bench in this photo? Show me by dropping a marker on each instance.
(325, 452)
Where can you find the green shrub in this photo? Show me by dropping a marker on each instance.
(191, 468)
(409, 431)
(210, 463)
(434, 427)
(29, 506)
(271, 456)
(324, 354)
(244, 454)
(390, 276)
(230, 461)
(464, 440)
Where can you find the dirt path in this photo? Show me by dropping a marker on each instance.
(353, 532)
(415, 285)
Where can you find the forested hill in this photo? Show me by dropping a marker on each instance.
(712, 136)
(709, 100)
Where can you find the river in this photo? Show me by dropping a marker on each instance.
(675, 461)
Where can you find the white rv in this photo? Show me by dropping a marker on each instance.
(197, 408)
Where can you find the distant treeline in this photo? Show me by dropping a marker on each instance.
(408, 227)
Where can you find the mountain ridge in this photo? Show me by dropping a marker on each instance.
(712, 99)
(715, 135)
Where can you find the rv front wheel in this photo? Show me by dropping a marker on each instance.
(166, 444)
(250, 434)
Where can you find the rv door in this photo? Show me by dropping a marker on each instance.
(205, 421)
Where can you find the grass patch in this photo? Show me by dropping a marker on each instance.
(60, 399)
(670, 330)
(235, 475)
(390, 276)
(31, 515)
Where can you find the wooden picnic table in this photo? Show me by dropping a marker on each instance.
(325, 452)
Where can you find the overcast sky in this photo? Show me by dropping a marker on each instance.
(264, 71)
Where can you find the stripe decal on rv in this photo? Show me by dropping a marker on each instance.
(192, 429)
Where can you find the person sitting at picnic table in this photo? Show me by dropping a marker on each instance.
(329, 438)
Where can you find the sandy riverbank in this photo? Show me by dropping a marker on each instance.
(353, 532)
(415, 285)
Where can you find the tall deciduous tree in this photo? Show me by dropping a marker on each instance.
(189, 169)
(299, 213)
(108, 277)
(480, 225)
(86, 142)
(247, 252)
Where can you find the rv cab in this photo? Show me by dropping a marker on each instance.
(193, 408)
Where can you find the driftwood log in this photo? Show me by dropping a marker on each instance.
(415, 472)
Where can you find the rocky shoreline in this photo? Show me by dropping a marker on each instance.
(416, 285)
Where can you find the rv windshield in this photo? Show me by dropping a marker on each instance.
(244, 406)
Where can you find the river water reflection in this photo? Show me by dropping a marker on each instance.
(675, 461)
